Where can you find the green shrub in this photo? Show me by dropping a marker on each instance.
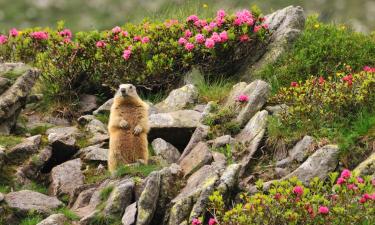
(147, 54)
(322, 49)
(350, 200)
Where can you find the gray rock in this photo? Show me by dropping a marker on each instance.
(26, 201)
(191, 200)
(178, 99)
(66, 177)
(281, 172)
(23, 150)
(63, 137)
(2, 156)
(222, 141)
(236, 91)
(83, 198)
(199, 135)
(148, 200)
(301, 150)
(174, 127)
(250, 138)
(13, 100)
(87, 103)
(105, 108)
(206, 111)
(94, 153)
(167, 151)
(55, 219)
(1, 197)
(120, 198)
(200, 108)
(33, 168)
(199, 156)
(4, 84)
(130, 215)
(366, 167)
(277, 109)
(229, 179)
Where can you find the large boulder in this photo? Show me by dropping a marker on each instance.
(199, 156)
(55, 219)
(87, 103)
(23, 150)
(66, 177)
(166, 150)
(178, 99)
(94, 153)
(105, 108)
(130, 215)
(299, 152)
(250, 138)
(285, 26)
(367, 167)
(14, 98)
(120, 198)
(174, 127)
(25, 201)
(199, 135)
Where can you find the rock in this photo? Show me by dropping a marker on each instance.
(105, 108)
(199, 135)
(200, 108)
(366, 167)
(229, 179)
(281, 172)
(34, 167)
(2, 156)
(285, 26)
(94, 153)
(167, 151)
(250, 137)
(219, 158)
(1, 197)
(257, 91)
(66, 177)
(277, 109)
(13, 100)
(97, 131)
(26, 201)
(55, 219)
(120, 198)
(207, 110)
(298, 153)
(174, 127)
(222, 141)
(130, 214)
(148, 199)
(191, 198)
(199, 156)
(178, 99)
(4, 84)
(87, 103)
(83, 198)
(63, 137)
(23, 150)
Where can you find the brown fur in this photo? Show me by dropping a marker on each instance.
(125, 146)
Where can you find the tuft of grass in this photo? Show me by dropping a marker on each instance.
(9, 141)
(103, 117)
(104, 194)
(136, 170)
(4, 189)
(31, 219)
(226, 151)
(34, 186)
(41, 129)
(100, 219)
(68, 214)
(214, 90)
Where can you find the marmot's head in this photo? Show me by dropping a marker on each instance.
(127, 91)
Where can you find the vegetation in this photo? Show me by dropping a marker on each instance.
(105, 193)
(9, 141)
(70, 215)
(31, 219)
(136, 170)
(346, 200)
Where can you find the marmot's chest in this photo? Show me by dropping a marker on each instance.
(131, 114)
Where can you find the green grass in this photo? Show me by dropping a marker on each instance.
(322, 49)
(100, 219)
(39, 129)
(9, 141)
(103, 117)
(138, 170)
(105, 193)
(214, 90)
(37, 187)
(4, 189)
(68, 214)
(15, 73)
(31, 219)
(226, 151)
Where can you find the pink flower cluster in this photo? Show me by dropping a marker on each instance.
(348, 79)
(144, 40)
(100, 44)
(3, 39)
(196, 221)
(66, 33)
(13, 32)
(298, 190)
(116, 30)
(323, 210)
(127, 53)
(244, 17)
(369, 69)
(242, 98)
(39, 35)
(170, 23)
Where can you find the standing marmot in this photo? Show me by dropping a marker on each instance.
(128, 128)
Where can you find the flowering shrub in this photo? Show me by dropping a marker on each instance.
(347, 200)
(151, 54)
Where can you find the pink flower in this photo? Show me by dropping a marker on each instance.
(321, 80)
(244, 17)
(182, 41)
(369, 69)
(340, 181)
(360, 180)
(352, 187)
(265, 26)
(170, 23)
(212, 25)
(199, 38)
(220, 13)
(210, 43)
(257, 28)
(66, 33)
(244, 38)
(212, 221)
(116, 30)
(242, 98)
(67, 40)
(294, 84)
(323, 210)
(192, 18)
(145, 40)
(345, 174)
(207, 28)
(366, 196)
(188, 33)
(39, 35)
(220, 21)
(298, 190)
(13, 32)
(216, 37)
(100, 44)
(3, 39)
(116, 37)
(373, 182)
(196, 222)
(125, 33)
(127, 53)
(224, 36)
(362, 200)
(189, 46)
(203, 23)
(277, 196)
(137, 38)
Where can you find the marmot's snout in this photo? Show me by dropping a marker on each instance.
(123, 91)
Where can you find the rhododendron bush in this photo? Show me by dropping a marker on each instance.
(151, 54)
(344, 199)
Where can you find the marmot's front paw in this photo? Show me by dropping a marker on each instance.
(137, 130)
(124, 124)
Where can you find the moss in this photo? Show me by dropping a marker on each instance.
(9, 141)
(34, 186)
(105, 193)
(100, 219)
(92, 175)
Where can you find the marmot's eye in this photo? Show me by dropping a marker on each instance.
(131, 87)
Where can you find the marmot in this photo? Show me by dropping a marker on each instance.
(128, 127)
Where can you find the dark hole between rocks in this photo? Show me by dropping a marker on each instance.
(60, 154)
(178, 137)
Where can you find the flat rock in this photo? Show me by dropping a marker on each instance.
(55, 219)
(24, 149)
(199, 156)
(66, 177)
(26, 201)
(222, 141)
(166, 150)
(105, 108)
(299, 152)
(130, 215)
(200, 133)
(178, 99)
(94, 153)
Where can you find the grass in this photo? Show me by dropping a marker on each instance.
(105, 193)
(15, 73)
(39, 129)
(138, 170)
(31, 219)
(9, 141)
(103, 117)
(226, 151)
(214, 90)
(4, 189)
(37, 187)
(68, 214)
